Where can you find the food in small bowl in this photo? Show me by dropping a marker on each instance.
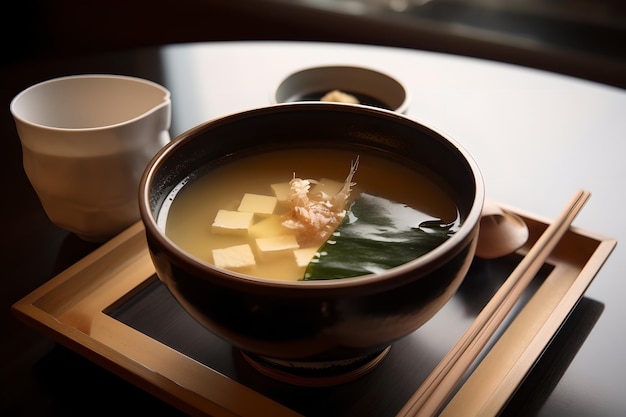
(343, 84)
(231, 216)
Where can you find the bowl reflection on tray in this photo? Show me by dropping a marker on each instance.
(329, 326)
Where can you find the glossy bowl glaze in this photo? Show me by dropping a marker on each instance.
(314, 322)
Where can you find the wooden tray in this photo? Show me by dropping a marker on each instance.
(111, 308)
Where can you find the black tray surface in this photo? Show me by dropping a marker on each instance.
(153, 311)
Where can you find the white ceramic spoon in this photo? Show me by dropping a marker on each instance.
(501, 232)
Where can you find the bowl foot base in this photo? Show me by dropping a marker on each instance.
(316, 374)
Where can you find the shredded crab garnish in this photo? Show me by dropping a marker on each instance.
(315, 219)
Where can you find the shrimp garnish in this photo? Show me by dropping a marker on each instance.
(314, 220)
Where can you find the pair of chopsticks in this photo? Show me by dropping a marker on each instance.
(438, 386)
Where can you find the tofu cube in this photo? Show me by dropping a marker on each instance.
(268, 227)
(258, 204)
(234, 257)
(303, 256)
(276, 245)
(281, 191)
(231, 222)
(325, 188)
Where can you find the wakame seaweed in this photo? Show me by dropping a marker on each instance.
(377, 234)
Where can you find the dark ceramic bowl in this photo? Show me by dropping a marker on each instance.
(314, 323)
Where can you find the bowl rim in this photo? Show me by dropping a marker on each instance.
(442, 251)
(15, 106)
(402, 108)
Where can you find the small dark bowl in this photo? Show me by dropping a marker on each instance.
(314, 322)
(371, 87)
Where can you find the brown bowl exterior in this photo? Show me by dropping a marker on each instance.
(319, 320)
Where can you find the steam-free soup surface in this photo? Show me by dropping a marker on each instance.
(191, 216)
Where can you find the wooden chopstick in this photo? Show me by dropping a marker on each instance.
(436, 389)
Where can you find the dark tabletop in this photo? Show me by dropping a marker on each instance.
(538, 137)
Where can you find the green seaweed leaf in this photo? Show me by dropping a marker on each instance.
(377, 234)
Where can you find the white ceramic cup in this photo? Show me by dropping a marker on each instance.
(86, 140)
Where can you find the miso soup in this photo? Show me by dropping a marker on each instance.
(232, 215)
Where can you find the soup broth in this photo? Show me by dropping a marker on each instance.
(190, 219)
